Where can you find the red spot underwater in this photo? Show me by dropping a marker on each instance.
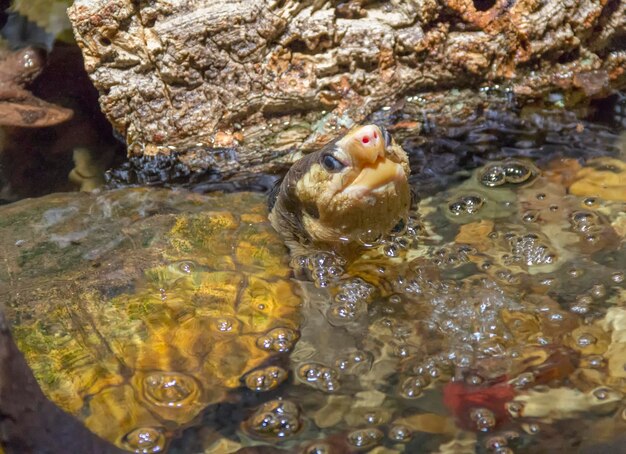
(461, 398)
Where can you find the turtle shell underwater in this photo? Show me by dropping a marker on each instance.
(138, 308)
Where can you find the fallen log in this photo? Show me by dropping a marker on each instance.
(236, 85)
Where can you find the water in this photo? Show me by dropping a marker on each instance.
(498, 319)
(493, 319)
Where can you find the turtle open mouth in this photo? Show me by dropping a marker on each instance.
(366, 148)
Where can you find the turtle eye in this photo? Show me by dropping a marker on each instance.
(386, 137)
(332, 164)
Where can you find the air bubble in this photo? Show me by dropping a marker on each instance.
(402, 351)
(310, 372)
(532, 428)
(324, 267)
(473, 203)
(145, 440)
(548, 281)
(400, 433)
(602, 393)
(484, 419)
(515, 409)
(585, 340)
(523, 380)
(510, 171)
(395, 299)
(582, 304)
(462, 360)
(466, 204)
(493, 176)
(575, 272)
(400, 228)
(266, 379)
(225, 325)
(457, 208)
(594, 361)
(413, 387)
(617, 277)
(318, 448)
(355, 362)
(279, 340)
(530, 216)
(555, 317)
(579, 308)
(170, 389)
(342, 314)
(275, 419)
(401, 243)
(187, 266)
(496, 442)
(365, 438)
(529, 249)
(391, 250)
(373, 418)
(583, 221)
(516, 171)
(473, 380)
(598, 291)
(370, 238)
(434, 373)
(505, 450)
(319, 376)
(590, 201)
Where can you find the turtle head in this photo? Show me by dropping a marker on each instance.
(356, 185)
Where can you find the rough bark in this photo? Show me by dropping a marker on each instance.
(267, 77)
(29, 422)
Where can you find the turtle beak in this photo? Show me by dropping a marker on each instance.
(366, 147)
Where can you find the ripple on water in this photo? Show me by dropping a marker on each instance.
(170, 389)
(145, 440)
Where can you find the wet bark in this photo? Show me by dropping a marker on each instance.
(29, 422)
(238, 84)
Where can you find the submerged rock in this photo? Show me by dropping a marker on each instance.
(136, 309)
(604, 178)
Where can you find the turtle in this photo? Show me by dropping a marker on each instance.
(137, 308)
(352, 188)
